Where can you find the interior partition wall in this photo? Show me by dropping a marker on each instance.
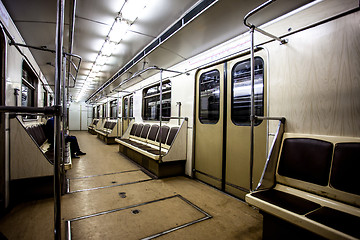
(78, 117)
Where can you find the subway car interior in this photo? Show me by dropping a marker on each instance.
(169, 119)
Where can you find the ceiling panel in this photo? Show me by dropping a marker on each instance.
(35, 20)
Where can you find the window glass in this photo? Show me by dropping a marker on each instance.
(104, 108)
(113, 106)
(241, 91)
(151, 91)
(209, 97)
(126, 107)
(166, 86)
(131, 107)
(28, 89)
(25, 96)
(98, 111)
(45, 103)
(51, 100)
(151, 102)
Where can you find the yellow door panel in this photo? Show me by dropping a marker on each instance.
(222, 145)
(209, 125)
(238, 130)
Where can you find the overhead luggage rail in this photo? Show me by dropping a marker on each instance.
(76, 67)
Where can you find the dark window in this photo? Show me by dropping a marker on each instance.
(151, 101)
(209, 97)
(45, 98)
(27, 95)
(104, 110)
(113, 106)
(126, 107)
(241, 91)
(98, 111)
(94, 112)
(28, 89)
(131, 107)
(51, 100)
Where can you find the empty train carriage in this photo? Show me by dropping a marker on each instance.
(201, 119)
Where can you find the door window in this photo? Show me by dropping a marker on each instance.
(209, 97)
(241, 92)
(113, 106)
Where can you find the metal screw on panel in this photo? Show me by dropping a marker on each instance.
(122, 194)
(135, 211)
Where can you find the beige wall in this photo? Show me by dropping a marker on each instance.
(315, 79)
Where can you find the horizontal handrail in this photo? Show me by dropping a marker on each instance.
(185, 118)
(45, 110)
(282, 119)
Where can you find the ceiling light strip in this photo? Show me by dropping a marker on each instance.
(179, 24)
(127, 15)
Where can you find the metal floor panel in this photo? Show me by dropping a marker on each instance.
(106, 180)
(146, 220)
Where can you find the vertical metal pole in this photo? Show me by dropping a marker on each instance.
(179, 112)
(57, 120)
(160, 132)
(64, 101)
(252, 114)
(117, 114)
(80, 116)
(71, 43)
(64, 121)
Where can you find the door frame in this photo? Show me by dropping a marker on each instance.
(125, 121)
(265, 56)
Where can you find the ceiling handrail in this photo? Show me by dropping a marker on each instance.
(65, 54)
(252, 26)
(138, 73)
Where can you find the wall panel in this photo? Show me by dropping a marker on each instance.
(315, 79)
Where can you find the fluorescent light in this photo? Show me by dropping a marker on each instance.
(96, 68)
(118, 30)
(101, 60)
(86, 84)
(132, 9)
(91, 76)
(108, 48)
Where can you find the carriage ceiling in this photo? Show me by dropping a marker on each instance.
(221, 21)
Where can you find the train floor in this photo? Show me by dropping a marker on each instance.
(112, 198)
